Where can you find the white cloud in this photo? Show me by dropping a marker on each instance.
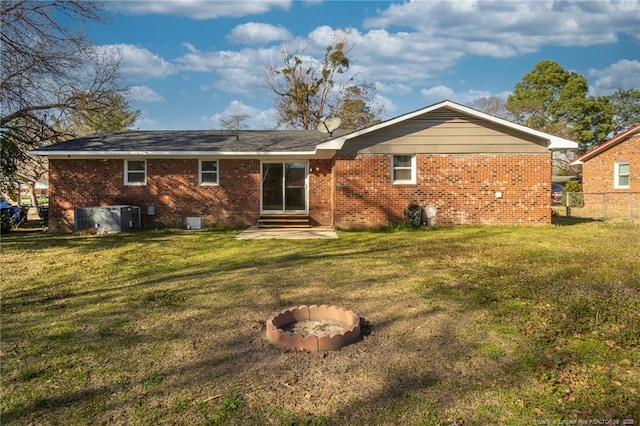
(440, 93)
(437, 93)
(190, 47)
(239, 80)
(138, 63)
(237, 71)
(144, 122)
(257, 118)
(208, 61)
(624, 74)
(145, 94)
(395, 62)
(392, 88)
(505, 28)
(258, 33)
(386, 105)
(322, 36)
(198, 9)
(405, 58)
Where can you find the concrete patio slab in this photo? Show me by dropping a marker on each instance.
(317, 232)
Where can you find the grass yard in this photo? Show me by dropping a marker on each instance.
(486, 326)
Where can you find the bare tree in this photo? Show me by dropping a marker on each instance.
(494, 105)
(307, 89)
(110, 114)
(47, 72)
(357, 107)
(234, 121)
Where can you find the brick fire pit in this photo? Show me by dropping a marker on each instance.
(314, 328)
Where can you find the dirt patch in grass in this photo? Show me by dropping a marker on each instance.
(481, 325)
(314, 327)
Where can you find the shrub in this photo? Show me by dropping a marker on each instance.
(574, 192)
(6, 221)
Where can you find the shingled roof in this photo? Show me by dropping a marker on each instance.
(185, 142)
(254, 143)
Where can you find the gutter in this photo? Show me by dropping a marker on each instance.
(317, 153)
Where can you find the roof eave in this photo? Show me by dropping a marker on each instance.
(560, 144)
(332, 145)
(179, 154)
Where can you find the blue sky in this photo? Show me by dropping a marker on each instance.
(191, 62)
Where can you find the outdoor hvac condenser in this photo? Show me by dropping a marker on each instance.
(106, 219)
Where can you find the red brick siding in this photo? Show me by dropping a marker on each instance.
(598, 173)
(320, 196)
(462, 187)
(343, 192)
(172, 187)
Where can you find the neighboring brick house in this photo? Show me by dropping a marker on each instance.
(612, 168)
(472, 167)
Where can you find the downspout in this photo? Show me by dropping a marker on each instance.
(333, 190)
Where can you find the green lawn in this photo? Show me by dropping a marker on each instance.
(496, 325)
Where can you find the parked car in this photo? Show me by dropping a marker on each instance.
(556, 193)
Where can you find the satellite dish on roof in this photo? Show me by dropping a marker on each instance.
(328, 125)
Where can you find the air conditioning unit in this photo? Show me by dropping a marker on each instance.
(194, 222)
(107, 218)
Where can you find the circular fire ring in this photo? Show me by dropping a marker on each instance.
(314, 328)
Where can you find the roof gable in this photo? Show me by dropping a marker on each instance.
(444, 131)
(553, 142)
(608, 144)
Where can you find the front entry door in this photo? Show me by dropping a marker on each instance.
(284, 187)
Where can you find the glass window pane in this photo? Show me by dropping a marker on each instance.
(403, 174)
(623, 181)
(209, 166)
(272, 186)
(209, 172)
(401, 161)
(136, 177)
(136, 172)
(295, 175)
(623, 169)
(135, 165)
(209, 178)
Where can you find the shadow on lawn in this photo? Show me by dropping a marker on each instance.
(198, 326)
(558, 220)
(43, 409)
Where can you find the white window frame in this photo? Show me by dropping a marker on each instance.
(200, 173)
(126, 174)
(411, 181)
(617, 175)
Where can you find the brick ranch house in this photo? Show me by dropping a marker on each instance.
(474, 168)
(612, 168)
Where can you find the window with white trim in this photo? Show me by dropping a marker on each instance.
(404, 169)
(208, 172)
(135, 172)
(621, 175)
